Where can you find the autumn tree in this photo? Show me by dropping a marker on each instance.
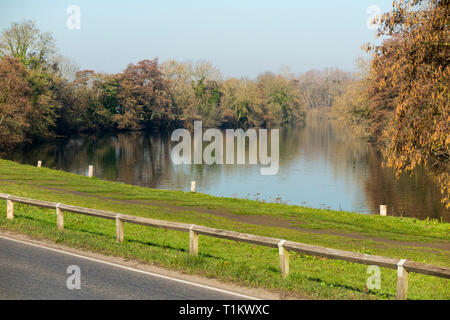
(144, 97)
(28, 104)
(15, 102)
(23, 43)
(409, 99)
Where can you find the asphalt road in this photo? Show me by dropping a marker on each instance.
(30, 272)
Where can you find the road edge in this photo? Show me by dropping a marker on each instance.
(245, 293)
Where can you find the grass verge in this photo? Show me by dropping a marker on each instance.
(424, 241)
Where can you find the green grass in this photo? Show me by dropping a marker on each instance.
(255, 266)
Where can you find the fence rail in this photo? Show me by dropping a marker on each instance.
(403, 266)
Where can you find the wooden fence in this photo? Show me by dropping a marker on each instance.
(403, 266)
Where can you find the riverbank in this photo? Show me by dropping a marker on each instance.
(321, 166)
(407, 238)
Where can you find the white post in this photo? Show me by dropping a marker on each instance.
(192, 186)
(119, 230)
(402, 281)
(9, 209)
(59, 218)
(193, 241)
(383, 210)
(284, 258)
(39, 164)
(91, 171)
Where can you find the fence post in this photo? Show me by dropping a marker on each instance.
(9, 209)
(59, 218)
(119, 229)
(193, 186)
(91, 171)
(402, 281)
(39, 164)
(284, 258)
(383, 210)
(193, 241)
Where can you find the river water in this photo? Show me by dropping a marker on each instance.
(322, 165)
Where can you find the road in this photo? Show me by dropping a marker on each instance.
(32, 272)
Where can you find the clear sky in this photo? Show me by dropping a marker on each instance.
(242, 38)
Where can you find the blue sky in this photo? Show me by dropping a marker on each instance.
(242, 38)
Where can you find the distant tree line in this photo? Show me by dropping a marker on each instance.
(401, 100)
(319, 88)
(42, 94)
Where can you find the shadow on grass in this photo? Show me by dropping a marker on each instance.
(106, 235)
(347, 287)
(66, 227)
(147, 243)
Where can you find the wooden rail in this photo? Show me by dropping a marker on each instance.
(403, 266)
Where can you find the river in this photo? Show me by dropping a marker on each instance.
(322, 165)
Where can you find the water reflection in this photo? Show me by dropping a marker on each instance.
(321, 165)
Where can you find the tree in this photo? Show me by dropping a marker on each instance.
(27, 43)
(195, 90)
(23, 43)
(179, 79)
(282, 99)
(15, 102)
(408, 90)
(206, 80)
(318, 89)
(351, 106)
(144, 97)
(96, 100)
(44, 109)
(65, 67)
(241, 104)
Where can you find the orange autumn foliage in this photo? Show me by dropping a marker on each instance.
(408, 88)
